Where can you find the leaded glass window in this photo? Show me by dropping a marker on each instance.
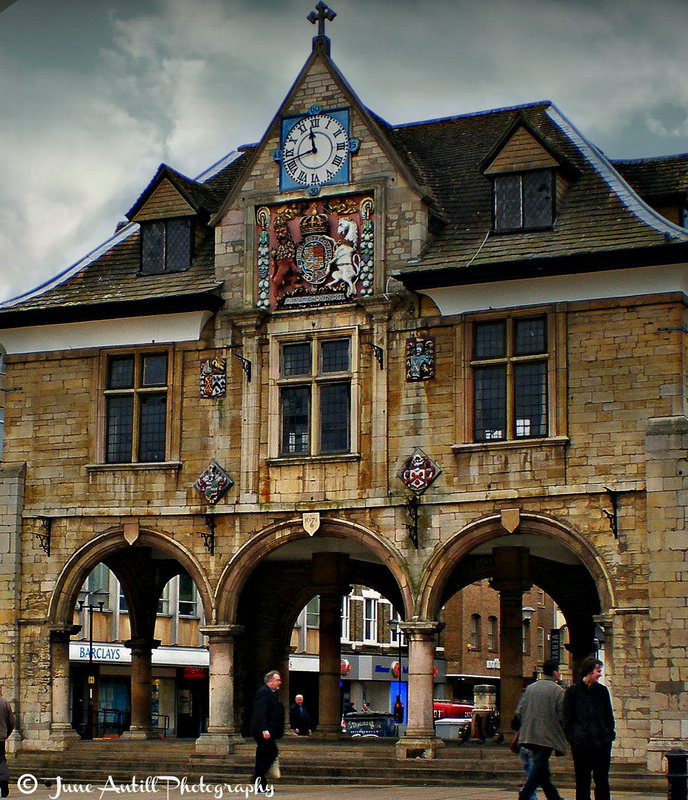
(510, 379)
(166, 245)
(315, 397)
(524, 201)
(136, 408)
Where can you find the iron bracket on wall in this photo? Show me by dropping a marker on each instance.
(412, 505)
(209, 538)
(379, 354)
(44, 538)
(245, 365)
(613, 515)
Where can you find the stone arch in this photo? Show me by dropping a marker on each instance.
(237, 572)
(108, 543)
(480, 532)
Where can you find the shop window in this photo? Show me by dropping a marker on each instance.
(492, 634)
(188, 597)
(166, 245)
(510, 363)
(136, 408)
(476, 631)
(315, 396)
(524, 201)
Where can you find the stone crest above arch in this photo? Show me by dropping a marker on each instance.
(80, 564)
(265, 542)
(488, 529)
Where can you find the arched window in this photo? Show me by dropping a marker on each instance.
(476, 631)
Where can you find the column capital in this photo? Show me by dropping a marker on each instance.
(142, 645)
(62, 632)
(221, 633)
(421, 628)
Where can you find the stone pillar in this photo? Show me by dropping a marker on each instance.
(62, 735)
(222, 734)
(141, 724)
(666, 468)
(329, 724)
(330, 580)
(510, 580)
(419, 739)
(251, 406)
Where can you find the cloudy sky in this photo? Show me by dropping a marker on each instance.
(95, 94)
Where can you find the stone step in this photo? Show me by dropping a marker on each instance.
(308, 762)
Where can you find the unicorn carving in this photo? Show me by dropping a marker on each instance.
(345, 263)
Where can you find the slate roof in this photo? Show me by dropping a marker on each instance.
(600, 221)
(662, 177)
(107, 282)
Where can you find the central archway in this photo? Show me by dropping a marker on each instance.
(270, 580)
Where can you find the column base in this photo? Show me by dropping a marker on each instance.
(327, 734)
(140, 734)
(217, 743)
(656, 750)
(62, 737)
(417, 747)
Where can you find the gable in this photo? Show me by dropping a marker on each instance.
(166, 201)
(521, 152)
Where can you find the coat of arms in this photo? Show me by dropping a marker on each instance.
(315, 252)
(418, 471)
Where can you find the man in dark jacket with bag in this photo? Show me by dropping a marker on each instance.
(267, 726)
(589, 727)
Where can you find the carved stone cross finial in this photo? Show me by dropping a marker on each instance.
(324, 13)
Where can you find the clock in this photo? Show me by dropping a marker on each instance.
(315, 149)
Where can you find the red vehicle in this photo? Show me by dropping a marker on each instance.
(450, 709)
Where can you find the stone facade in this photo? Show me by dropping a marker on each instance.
(592, 510)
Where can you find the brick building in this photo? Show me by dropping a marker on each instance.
(409, 357)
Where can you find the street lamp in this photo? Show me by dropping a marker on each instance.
(398, 706)
(88, 733)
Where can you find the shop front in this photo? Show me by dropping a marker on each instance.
(100, 683)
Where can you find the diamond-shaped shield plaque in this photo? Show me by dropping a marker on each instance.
(213, 482)
(418, 471)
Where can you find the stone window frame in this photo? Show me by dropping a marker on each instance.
(172, 428)
(276, 381)
(557, 431)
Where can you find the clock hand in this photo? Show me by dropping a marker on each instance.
(311, 136)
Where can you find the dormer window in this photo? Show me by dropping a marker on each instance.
(166, 245)
(524, 201)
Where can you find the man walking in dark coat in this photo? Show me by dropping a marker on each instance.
(267, 726)
(589, 727)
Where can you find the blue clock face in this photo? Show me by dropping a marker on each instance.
(315, 150)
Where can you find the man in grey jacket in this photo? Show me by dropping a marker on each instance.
(538, 719)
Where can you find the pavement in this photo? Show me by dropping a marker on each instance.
(172, 788)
